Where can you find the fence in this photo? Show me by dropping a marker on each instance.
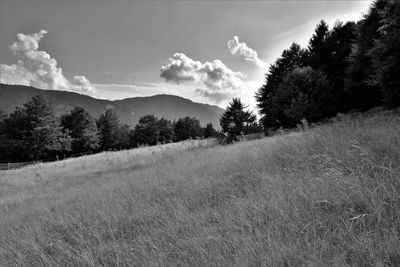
(16, 165)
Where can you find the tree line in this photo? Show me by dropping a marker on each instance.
(34, 132)
(353, 66)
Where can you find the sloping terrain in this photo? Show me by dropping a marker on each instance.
(326, 196)
(129, 110)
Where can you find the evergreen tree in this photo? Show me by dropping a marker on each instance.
(290, 59)
(82, 128)
(35, 131)
(108, 125)
(361, 94)
(187, 128)
(386, 54)
(209, 131)
(317, 47)
(235, 119)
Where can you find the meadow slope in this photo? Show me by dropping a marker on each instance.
(329, 195)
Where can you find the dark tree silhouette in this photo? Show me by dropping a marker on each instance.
(386, 54)
(81, 126)
(108, 125)
(35, 131)
(187, 128)
(147, 131)
(303, 94)
(235, 119)
(290, 59)
(209, 131)
(361, 94)
(167, 134)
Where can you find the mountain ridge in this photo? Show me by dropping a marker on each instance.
(129, 110)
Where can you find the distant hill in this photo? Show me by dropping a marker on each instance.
(129, 110)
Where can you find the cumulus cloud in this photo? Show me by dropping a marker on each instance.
(37, 68)
(241, 49)
(215, 78)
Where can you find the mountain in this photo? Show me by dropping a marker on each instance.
(129, 110)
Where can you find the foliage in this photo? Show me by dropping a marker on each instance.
(108, 125)
(363, 95)
(187, 128)
(303, 94)
(167, 134)
(209, 131)
(34, 132)
(386, 54)
(81, 126)
(289, 60)
(235, 119)
(147, 131)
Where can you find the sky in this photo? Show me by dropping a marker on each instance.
(206, 51)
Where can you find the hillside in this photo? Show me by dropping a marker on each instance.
(129, 110)
(327, 196)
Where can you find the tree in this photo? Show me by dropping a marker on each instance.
(329, 52)
(167, 134)
(108, 125)
(147, 131)
(290, 59)
(317, 47)
(304, 93)
(34, 130)
(187, 128)
(235, 119)
(385, 54)
(123, 137)
(82, 128)
(209, 131)
(361, 94)
(3, 139)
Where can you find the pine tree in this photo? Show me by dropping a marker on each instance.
(386, 55)
(35, 131)
(361, 94)
(235, 119)
(290, 59)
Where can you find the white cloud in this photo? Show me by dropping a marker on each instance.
(82, 84)
(241, 49)
(38, 69)
(215, 79)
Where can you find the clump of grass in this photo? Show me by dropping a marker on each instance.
(328, 195)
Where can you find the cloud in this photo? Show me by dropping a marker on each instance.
(82, 84)
(38, 69)
(241, 49)
(215, 78)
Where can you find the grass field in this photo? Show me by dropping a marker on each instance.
(329, 195)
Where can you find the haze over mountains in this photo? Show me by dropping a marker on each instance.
(129, 110)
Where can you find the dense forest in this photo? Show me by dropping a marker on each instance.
(353, 66)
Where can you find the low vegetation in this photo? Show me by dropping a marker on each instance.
(326, 195)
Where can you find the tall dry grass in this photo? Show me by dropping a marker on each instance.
(323, 196)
